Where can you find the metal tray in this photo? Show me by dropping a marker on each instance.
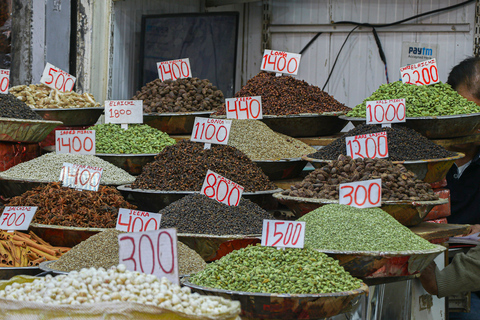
(174, 122)
(72, 116)
(287, 306)
(156, 200)
(21, 130)
(61, 236)
(282, 169)
(429, 170)
(45, 267)
(437, 127)
(408, 213)
(132, 163)
(9, 272)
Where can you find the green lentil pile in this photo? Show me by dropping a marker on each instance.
(269, 270)
(259, 142)
(11, 107)
(111, 138)
(196, 213)
(346, 228)
(438, 99)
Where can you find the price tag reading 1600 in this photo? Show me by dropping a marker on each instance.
(221, 189)
(17, 218)
(361, 194)
(372, 145)
(289, 234)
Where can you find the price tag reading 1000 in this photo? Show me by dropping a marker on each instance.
(386, 111)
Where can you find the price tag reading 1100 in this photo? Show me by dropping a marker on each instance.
(211, 130)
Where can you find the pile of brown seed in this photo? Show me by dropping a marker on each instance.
(397, 182)
(182, 95)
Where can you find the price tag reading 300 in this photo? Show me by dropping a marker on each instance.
(361, 194)
(80, 176)
(211, 130)
(174, 69)
(386, 111)
(280, 62)
(420, 74)
(286, 234)
(124, 111)
(372, 145)
(56, 78)
(244, 108)
(17, 218)
(137, 221)
(4, 80)
(221, 189)
(75, 141)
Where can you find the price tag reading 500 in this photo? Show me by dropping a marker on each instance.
(386, 111)
(137, 221)
(420, 74)
(244, 108)
(174, 69)
(281, 62)
(361, 194)
(372, 145)
(75, 141)
(4, 80)
(17, 218)
(58, 79)
(80, 177)
(211, 130)
(289, 234)
(221, 189)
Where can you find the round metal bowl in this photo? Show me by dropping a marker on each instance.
(45, 267)
(282, 169)
(212, 247)
(72, 116)
(21, 130)
(287, 306)
(437, 127)
(430, 170)
(61, 236)
(132, 163)
(156, 200)
(174, 122)
(9, 272)
(408, 213)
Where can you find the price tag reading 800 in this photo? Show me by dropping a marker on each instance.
(17, 218)
(80, 176)
(151, 252)
(75, 141)
(280, 62)
(221, 189)
(211, 130)
(174, 69)
(137, 221)
(287, 234)
(123, 111)
(372, 145)
(420, 74)
(4, 80)
(56, 78)
(361, 194)
(386, 111)
(244, 108)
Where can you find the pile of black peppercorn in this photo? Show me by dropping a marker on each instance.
(11, 107)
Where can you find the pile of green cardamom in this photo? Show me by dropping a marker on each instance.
(346, 228)
(269, 270)
(138, 138)
(438, 99)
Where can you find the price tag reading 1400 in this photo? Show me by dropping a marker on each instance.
(386, 111)
(58, 79)
(221, 189)
(289, 234)
(75, 141)
(4, 80)
(372, 145)
(17, 218)
(80, 176)
(361, 194)
(244, 108)
(420, 74)
(174, 69)
(211, 130)
(280, 62)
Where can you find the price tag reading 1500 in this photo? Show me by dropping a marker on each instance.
(386, 111)
(211, 130)
(361, 194)
(420, 74)
(221, 189)
(17, 218)
(287, 234)
(372, 145)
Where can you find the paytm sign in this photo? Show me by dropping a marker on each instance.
(420, 50)
(413, 52)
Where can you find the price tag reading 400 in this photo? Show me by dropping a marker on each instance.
(137, 221)
(17, 218)
(211, 130)
(221, 189)
(361, 194)
(80, 177)
(372, 145)
(174, 69)
(151, 252)
(244, 108)
(58, 79)
(386, 111)
(124, 111)
(280, 62)
(287, 234)
(4, 80)
(420, 74)
(75, 141)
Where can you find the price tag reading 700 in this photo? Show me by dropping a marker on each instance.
(211, 130)
(58, 79)
(372, 145)
(244, 108)
(289, 234)
(280, 62)
(80, 176)
(137, 221)
(174, 69)
(420, 74)
(386, 111)
(361, 194)
(75, 141)
(17, 218)
(221, 189)
(4, 80)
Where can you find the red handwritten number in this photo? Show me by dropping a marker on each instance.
(432, 68)
(218, 189)
(133, 252)
(14, 215)
(186, 74)
(218, 132)
(97, 182)
(379, 193)
(210, 185)
(296, 65)
(266, 237)
(385, 144)
(50, 74)
(159, 254)
(393, 113)
(85, 145)
(275, 233)
(6, 217)
(230, 196)
(258, 108)
(285, 240)
(4, 84)
(294, 242)
(79, 142)
(211, 125)
(400, 106)
(175, 77)
(349, 194)
(425, 75)
(61, 83)
(148, 222)
(140, 253)
(374, 147)
(365, 195)
(65, 84)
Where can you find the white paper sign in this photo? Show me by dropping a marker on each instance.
(420, 74)
(361, 194)
(372, 145)
(210, 130)
(4, 80)
(124, 111)
(75, 141)
(80, 177)
(386, 111)
(130, 220)
(286, 234)
(280, 61)
(17, 218)
(221, 189)
(56, 78)
(174, 69)
(244, 108)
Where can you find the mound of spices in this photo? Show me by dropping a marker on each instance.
(269, 270)
(196, 213)
(438, 99)
(346, 228)
(403, 144)
(259, 142)
(181, 95)
(11, 107)
(397, 182)
(183, 167)
(47, 169)
(138, 138)
(39, 96)
(287, 95)
(68, 207)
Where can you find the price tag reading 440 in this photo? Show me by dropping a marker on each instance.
(372, 145)
(17, 218)
(137, 221)
(174, 69)
(124, 111)
(420, 74)
(58, 79)
(280, 62)
(244, 108)
(75, 141)
(287, 234)
(386, 111)
(221, 189)
(4, 80)
(361, 194)
(80, 176)
(211, 130)
(151, 252)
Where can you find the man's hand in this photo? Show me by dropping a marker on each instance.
(474, 228)
(429, 280)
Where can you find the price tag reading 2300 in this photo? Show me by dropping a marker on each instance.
(221, 189)
(209, 130)
(361, 194)
(372, 145)
(420, 74)
(286, 234)
(80, 176)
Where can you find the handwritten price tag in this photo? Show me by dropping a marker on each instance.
(280, 62)
(244, 108)
(372, 145)
(420, 74)
(4, 80)
(137, 221)
(174, 69)
(361, 194)
(75, 141)
(211, 130)
(124, 111)
(58, 79)
(17, 218)
(386, 111)
(80, 176)
(151, 252)
(221, 189)
(287, 234)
